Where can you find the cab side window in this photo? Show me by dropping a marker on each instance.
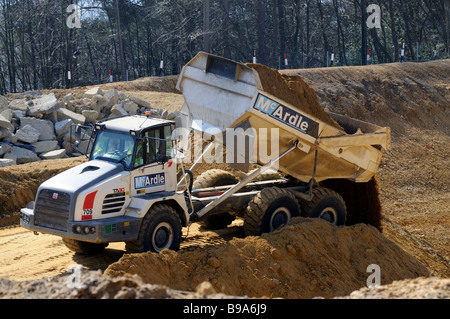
(154, 144)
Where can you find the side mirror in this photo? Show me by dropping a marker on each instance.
(80, 138)
(162, 159)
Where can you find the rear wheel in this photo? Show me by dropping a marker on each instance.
(83, 247)
(160, 229)
(213, 178)
(326, 204)
(270, 209)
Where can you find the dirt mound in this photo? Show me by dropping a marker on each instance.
(163, 84)
(19, 183)
(306, 259)
(94, 285)
(397, 95)
(418, 288)
(293, 90)
(83, 284)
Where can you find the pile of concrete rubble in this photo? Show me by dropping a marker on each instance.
(36, 126)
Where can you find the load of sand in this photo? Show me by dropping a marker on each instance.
(293, 90)
(307, 259)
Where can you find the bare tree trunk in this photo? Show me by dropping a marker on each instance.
(406, 19)
(31, 38)
(282, 31)
(341, 37)
(225, 37)
(297, 33)
(262, 47)
(148, 25)
(446, 4)
(119, 40)
(393, 30)
(326, 45)
(363, 32)
(308, 32)
(91, 60)
(206, 26)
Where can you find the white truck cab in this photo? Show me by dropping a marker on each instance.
(129, 172)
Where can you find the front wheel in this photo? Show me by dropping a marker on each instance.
(160, 229)
(83, 247)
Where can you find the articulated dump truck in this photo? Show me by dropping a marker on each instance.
(135, 189)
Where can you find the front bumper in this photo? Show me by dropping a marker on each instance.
(122, 228)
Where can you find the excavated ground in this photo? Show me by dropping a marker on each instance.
(412, 99)
(307, 259)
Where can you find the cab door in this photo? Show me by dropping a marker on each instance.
(153, 168)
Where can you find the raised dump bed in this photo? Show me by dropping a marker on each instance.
(220, 94)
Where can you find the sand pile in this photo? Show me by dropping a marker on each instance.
(417, 288)
(87, 284)
(306, 259)
(293, 90)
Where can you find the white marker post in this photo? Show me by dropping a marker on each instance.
(403, 52)
(161, 65)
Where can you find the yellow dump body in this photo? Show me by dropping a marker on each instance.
(221, 94)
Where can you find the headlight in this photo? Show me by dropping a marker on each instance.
(85, 230)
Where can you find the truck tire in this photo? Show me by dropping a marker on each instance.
(160, 229)
(270, 209)
(190, 179)
(83, 247)
(326, 204)
(268, 175)
(212, 178)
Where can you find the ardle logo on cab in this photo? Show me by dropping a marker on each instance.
(149, 180)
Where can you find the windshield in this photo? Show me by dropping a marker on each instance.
(113, 146)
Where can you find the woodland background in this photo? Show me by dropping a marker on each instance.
(129, 38)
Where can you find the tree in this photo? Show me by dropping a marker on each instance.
(123, 66)
(36, 45)
(206, 26)
(262, 47)
(363, 32)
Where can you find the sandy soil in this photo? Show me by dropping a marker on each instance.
(413, 99)
(26, 256)
(309, 258)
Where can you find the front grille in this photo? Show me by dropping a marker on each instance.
(113, 203)
(52, 209)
